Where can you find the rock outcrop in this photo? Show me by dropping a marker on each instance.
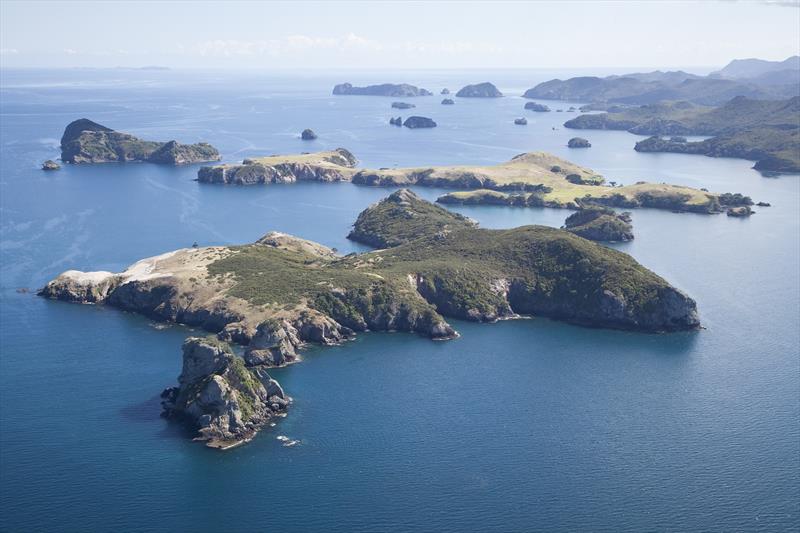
(539, 108)
(308, 135)
(385, 89)
(740, 212)
(521, 121)
(415, 122)
(600, 224)
(50, 165)
(396, 121)
(448, 101)
(445, 91)
(402, 105)
(479, 90)
(335, 165)
(85, 141)
(578, 142)
(224, 398)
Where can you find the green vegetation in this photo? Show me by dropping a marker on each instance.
(600, 224)
(402, 217)
(765, 131)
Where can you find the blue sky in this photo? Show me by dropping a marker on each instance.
(570, 34)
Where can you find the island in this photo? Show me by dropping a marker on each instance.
(578, 142)
(535, 179)
(385, 89)
(601, 224)
(85, 141)
(50, 165)
(521, 121)
(448, 101)
(479, 90)
(415, 122)
(402, 105)
(275, 296)
(225, 399)
(398, 121)
(335, 165)
(308, 135)
(445, 91)
(539, 108)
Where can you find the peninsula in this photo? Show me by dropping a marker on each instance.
(85, 141)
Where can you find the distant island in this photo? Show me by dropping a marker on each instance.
(384, 89)
(765, 131)
(85, 141)
(276, 295)
(772, 80)
(534, 179)
(479, 90)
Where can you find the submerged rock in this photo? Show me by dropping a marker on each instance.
(223, 398)
(50, 165)
(578, 142)
(419, 122)
(308, 135)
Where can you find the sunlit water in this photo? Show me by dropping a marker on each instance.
(520, 425)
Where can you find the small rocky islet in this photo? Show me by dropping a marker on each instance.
(479, 90)
(276, 295)
(85, 141)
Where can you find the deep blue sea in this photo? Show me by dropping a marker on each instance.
(516, 426)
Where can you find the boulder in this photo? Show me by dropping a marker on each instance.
(50, 165)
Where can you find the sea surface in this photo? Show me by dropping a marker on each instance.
(517, 426)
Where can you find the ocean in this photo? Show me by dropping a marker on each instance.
(516, 426)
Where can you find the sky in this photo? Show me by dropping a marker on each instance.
(403, 35)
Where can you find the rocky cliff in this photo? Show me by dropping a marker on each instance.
(220, 395)
(85, 141)
(336, 165)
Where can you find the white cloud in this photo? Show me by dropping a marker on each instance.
(8, 51)
(70, 51)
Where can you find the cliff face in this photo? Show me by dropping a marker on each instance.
(336, 165)
(85, 141)
(227, 400)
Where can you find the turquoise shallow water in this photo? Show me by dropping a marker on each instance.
(520, 425)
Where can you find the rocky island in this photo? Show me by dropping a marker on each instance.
(479, 90)
(85, 141)
(50, 165)
(335, 165)
(308, 135)
(578, 142)
(521, 121)
(226, 400)
(448, 101)
(402, 105)
(415, 122)
(385, 89)
(281, 292)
